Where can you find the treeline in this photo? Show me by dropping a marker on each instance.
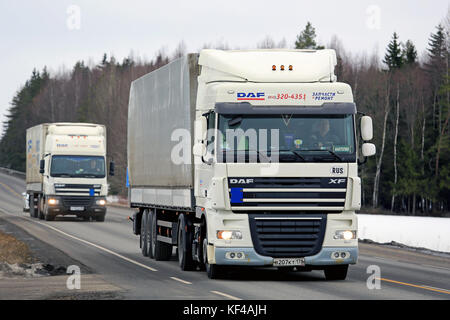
(407, 96)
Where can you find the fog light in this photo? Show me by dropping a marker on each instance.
(232, 255)
(228, 234)
(239, 255)
(53, 201)
(336, 255)
(343, 254)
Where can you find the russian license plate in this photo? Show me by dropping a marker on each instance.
(288, 262)
(76, 208)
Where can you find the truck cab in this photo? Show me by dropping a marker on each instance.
(278, 167)
(67, 170)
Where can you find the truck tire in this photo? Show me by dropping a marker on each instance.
(148, 233)
(336, 272)
(100, 218)
(31, 205)
(184, 242)
(212, 270)
(40, 211)
(161, 251)
(143, 236)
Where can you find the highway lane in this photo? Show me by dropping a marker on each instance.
(111, 250)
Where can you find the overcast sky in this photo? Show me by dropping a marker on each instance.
(51, 33)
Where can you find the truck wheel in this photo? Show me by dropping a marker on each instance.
(161, 251)
(148, 231)
(40, 211)
(31, 205)
(213, 270)
(143, 236)
(184, 244)
(336, 272)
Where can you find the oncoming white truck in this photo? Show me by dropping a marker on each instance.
(247, 158)
(66, 170)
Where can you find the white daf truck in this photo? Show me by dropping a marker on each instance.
(247, 158)
(66, 170)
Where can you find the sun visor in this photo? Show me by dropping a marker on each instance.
(272, 65)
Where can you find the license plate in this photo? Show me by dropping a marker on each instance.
(288, 262)
(76, 208)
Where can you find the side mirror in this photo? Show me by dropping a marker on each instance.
(201, 126)
(41, 166)
(111, 168)
(368, 149)
(199, 150)
(366, 128)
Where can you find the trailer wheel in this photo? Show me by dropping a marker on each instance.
(336, 272)
(161, 251)
(185, 244)
(143, 236)
(213, 270)
(148, 232)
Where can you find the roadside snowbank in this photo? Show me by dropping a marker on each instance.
(418, 232)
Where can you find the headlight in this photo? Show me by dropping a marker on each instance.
(53, 201)
(345, 235)
(101, 202)
(228, 234)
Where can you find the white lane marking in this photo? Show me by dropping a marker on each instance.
(429, 265)
(180, 280)
(92, 244)
(225, 295)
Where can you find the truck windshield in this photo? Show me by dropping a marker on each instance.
(291, 138)
(77, 166)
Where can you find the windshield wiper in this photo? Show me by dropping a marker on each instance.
(329, 151)
(296, 153)
(258, 153)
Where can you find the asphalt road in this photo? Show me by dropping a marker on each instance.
(112, 251)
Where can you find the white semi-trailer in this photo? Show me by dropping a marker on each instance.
(247, 158)
(66, 170)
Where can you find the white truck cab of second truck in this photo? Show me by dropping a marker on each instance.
(66, 170)
(273, 178)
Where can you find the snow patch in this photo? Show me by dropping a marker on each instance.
(419, 232)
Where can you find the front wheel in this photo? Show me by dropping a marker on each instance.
(336, 272)
(212, 270)
(185, 244)
(40, 208)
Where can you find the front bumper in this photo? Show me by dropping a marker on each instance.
(67, 204)
(252, 258)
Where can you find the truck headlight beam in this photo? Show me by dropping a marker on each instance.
(345, 235)
(229, 234)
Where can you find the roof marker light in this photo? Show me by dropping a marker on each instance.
(274, 68)
(291, 68)
(282, 68)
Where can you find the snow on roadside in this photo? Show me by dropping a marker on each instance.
(419, 232)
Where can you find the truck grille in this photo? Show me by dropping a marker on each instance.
(78, 189)
(289, 236)
(77, 201)
(300, 194)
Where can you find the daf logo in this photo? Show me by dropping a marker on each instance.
(336, 181)
(241, 181)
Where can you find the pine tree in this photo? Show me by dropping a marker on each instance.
(394, 58)
(307, 39)
(410, 53)
(437, 46)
